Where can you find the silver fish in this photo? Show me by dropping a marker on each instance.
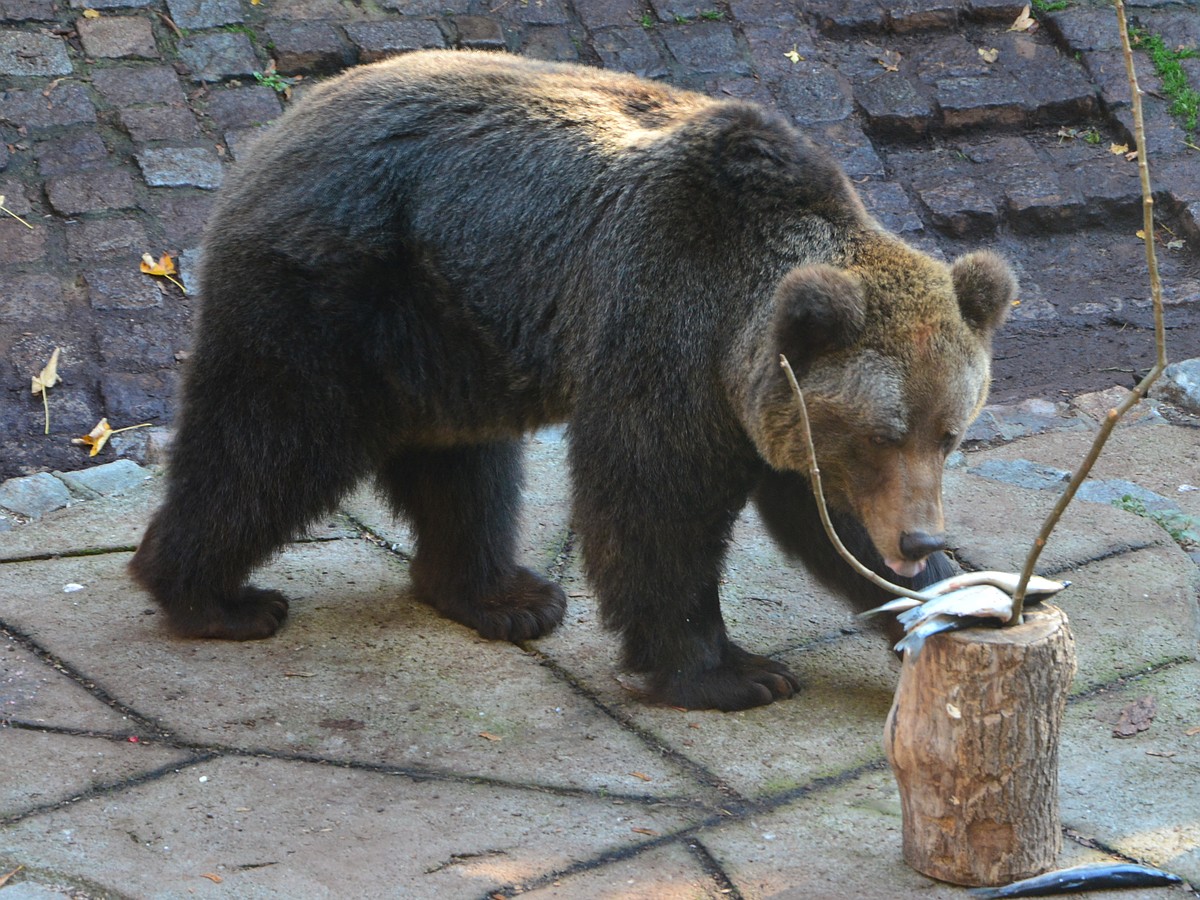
(1094, 877)
(1005, 581)
(983, 600)
(915, 639)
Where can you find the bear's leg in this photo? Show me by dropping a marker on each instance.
(464, 504)
(654, 546)
(788, 508)
(245, 477)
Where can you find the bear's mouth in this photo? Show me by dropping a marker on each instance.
(906, 568)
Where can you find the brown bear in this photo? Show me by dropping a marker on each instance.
(430, 256)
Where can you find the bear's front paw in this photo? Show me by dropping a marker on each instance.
(523, 606)
(741, 681)
(251, 615)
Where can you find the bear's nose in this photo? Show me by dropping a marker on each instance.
(917, 545)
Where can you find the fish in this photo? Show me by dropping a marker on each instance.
(916, 637)
(983, 600)
(1005, 581)
(1092, 877)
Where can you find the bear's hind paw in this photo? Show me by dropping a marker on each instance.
(742, 681)
(525, 606)
(253, 614)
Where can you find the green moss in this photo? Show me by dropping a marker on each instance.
(1185, 99)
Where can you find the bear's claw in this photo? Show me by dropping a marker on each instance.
(523, 607)
(253, 614)
(743, 680)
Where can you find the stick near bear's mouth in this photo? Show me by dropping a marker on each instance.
(814, 474)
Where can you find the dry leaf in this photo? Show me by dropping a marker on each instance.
(990, 55)
(641, 775)
(1141, 233)
(647, 831)
(48, 377)
(1135, 717)
(1175, 245)
(1024, 22)
(98, 436)
(1167, 754)
(489, 736)
(890, 60)
(215, 879)
(91, 14)
(164, 268)
(4, 208)
(1118, 149)
(44, 380)
(1192, 732)
(794, 54)
(5, 877)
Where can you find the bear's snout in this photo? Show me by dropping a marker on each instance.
(916, 545)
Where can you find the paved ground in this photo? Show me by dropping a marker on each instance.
(372, 749)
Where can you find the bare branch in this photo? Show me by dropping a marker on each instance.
(1114, 415)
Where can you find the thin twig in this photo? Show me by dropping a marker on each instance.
(814, 473)
(1114, 415)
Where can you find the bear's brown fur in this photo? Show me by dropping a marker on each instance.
(430, 256)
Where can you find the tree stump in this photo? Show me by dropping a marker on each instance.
(973, 740)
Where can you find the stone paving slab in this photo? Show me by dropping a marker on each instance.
(844, 843)
(269, 828)
(35, 693)
(1158, 826)
(57, 768)
(360, 672)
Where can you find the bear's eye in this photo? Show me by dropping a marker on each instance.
(949, 442)
(885, 440)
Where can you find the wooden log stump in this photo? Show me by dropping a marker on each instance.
(973, 740)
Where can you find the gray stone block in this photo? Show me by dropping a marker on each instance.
(26, 54)
(1180, 384)
(181, 167)
(109, 478)
(34, 495)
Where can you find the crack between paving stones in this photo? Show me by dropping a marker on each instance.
(689, 765)
(129, 548)
(88, 684)
(709, 864)
(114, 787)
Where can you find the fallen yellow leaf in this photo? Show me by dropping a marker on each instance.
(1023, 22)
(44, 380)
(489, 736)
(164, 268)
(91, 14)
(794, 54)
(98, 436)
(890, 60)
(1118, 149)
(990, 55)
(1141, 233)
(6, 876)
(215, 879)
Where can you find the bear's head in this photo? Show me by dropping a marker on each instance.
(893, 353)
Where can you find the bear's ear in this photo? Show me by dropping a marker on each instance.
(986, 288)
(818, 308)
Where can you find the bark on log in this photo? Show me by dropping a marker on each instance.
(973, 740)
